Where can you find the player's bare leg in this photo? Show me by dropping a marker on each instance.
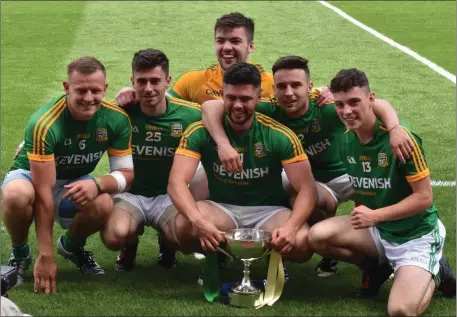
(18, 197)
(88, 220)
(411, 292)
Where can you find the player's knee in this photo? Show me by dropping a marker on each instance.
(317, 237)
(17, 195)
(115, 238)
(402, 308)
(101, 207)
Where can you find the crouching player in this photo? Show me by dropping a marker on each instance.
(64, 141)
(252, 197)
(394, 226)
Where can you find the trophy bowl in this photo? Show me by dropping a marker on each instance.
(247, 245)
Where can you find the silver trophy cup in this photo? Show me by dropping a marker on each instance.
(246, 245)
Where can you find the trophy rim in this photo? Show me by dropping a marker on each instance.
(229, 235)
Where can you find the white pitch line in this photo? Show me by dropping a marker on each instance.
(389, 41)
(443, 183)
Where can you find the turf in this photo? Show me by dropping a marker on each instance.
(40, 38)
(427, 27)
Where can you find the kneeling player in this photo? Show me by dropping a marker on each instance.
(395, 222)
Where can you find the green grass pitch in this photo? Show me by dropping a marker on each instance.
(38, 40)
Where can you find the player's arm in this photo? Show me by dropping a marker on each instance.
(298, 170)
(302, 181)
(212, 117)
(44, 181)
(400, 143)
(39, 146)
(185, 164)
(121, 173)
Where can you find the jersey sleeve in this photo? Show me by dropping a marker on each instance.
(192, 140)
(121, 142)
(183, 86)
(284, 141)
(415, 167)
(40, 139)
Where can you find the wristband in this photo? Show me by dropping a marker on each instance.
(97, 184)
(397, 125)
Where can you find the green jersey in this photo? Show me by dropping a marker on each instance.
(264, 149)
(75, 146)
(319, 130)
(379, 180)
(154, 142)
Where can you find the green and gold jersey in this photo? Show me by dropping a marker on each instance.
(154, 142)
(264, 149)
(75, 146)
(379, 180)
(319, 130)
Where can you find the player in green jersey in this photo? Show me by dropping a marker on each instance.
(395, 221)
(252, 197)
(318, 129)
(64, 141)
(158, 122)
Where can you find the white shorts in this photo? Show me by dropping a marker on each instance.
(64, 210)
(150, 208)
(248, 216)
(424, 252)
(340, 187)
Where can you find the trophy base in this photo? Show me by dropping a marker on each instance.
(245, 300)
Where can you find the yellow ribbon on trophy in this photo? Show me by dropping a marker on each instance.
(275, 280)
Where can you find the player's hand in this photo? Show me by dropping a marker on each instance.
(126, 96)
(81, 192)
(400, 143)
(283, 239)
(44, 274)
(19, 149)
(210, 237)
(325, 96)
(363, 217)
(230, 158)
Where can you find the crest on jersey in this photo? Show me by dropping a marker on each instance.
(315, 126)
(382, 160)
(259, 150)
(176, 130)
(101, 135)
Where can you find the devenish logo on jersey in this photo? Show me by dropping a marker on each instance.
(370, 183)
(76, 159)
(318, 147)
(150, 150)
(248, 173)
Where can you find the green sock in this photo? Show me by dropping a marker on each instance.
(72, 244)
(21, 252)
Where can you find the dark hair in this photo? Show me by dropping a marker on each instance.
(242, 74)
(234, 20)
(85, 65)
(291, 62)
(150, 58)
(347, 79)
